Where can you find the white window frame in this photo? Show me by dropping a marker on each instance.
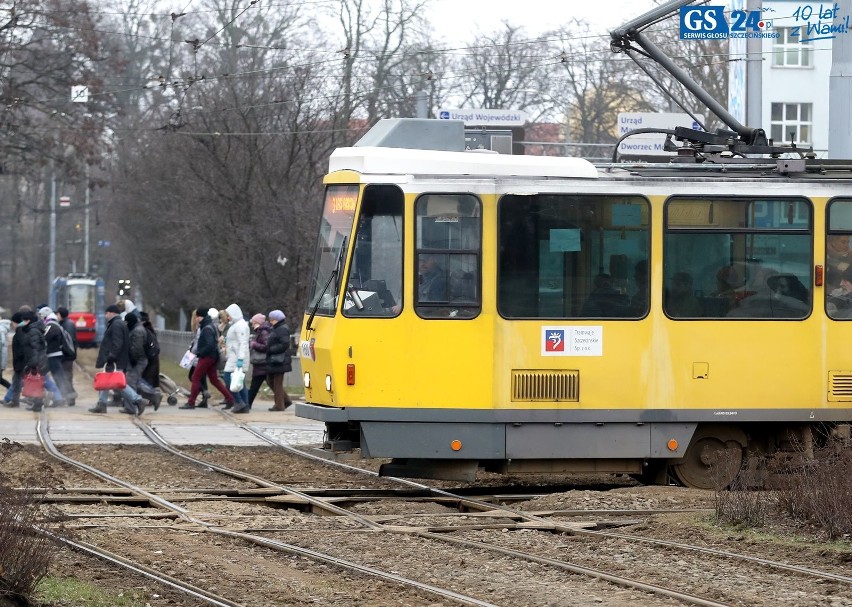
(783, 45)
(794, 124)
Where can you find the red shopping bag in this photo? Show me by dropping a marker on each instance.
(110, 380)
(33, 385)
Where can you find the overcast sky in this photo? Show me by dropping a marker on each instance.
(462, 19)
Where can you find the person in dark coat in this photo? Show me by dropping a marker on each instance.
(257, 357)
(207, 348)
(139, 361)
(278, 359)
(32, 357)
(114, 353)
(152, 371)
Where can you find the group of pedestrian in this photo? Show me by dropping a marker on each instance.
(233, 345)
(129, 345)
(44, 344)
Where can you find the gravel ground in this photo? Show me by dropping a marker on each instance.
(255, 575)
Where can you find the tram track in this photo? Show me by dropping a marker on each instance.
(475, 508)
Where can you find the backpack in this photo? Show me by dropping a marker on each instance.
(69, 348)
(152, 345)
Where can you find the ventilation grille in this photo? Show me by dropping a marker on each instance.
(839, 386)
(552, 386)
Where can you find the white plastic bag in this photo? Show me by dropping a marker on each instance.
(238, 379)
(188, 359)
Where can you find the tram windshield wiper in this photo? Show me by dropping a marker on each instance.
(338, 267)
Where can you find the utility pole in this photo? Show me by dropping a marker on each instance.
(86, 225)
(754, 74)
(51, 262)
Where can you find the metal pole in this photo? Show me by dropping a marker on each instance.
(840, 89)
(51, 262)
(422, 109)
(754, 75)
(86, 226)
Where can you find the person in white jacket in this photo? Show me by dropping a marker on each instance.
(237, 347)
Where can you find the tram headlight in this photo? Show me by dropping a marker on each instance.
(307, 379)
(328, 382)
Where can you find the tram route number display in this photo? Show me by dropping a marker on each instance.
(571, 341)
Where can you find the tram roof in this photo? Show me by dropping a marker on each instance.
(401, 161)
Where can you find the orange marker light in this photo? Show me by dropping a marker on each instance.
(455, 445)
(350, 375)
(818, 276)
(672, 444)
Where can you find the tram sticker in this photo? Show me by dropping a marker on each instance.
(564, 240)
(572, 341)
(307, 349)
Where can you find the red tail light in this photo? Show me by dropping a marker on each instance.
(350, 375)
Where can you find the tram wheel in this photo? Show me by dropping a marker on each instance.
(710, 463)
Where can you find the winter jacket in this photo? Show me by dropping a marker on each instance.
(5, 325)
(34, 348)
(207, 344)
(258, 347)
(278, 349)
(115, 345)
(236, 339)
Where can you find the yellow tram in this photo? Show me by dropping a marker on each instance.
(542, 314)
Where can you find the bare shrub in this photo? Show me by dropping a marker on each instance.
(739, 504)
(25, 553)
(818, 491)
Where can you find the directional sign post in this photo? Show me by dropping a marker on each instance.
(650, 144)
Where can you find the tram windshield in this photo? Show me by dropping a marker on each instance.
(81, 298)
(573, 256)
(335, 228)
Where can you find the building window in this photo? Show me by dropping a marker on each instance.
(792, 122)
(788, 51)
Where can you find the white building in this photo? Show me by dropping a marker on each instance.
(795, 73)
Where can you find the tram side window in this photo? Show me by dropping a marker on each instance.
(447, 253)
(737, 258)
(573, 256)
(838, 260)
(374, 284)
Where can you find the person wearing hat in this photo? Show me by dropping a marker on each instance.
(207, 349)
(55, 339)
(278, 359)
(257, 356)
(115, 353)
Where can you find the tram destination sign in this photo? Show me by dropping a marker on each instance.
(650, 144)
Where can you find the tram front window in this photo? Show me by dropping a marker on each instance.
(374, 284)
(81, 298)
(573, 256)
(335, 229)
